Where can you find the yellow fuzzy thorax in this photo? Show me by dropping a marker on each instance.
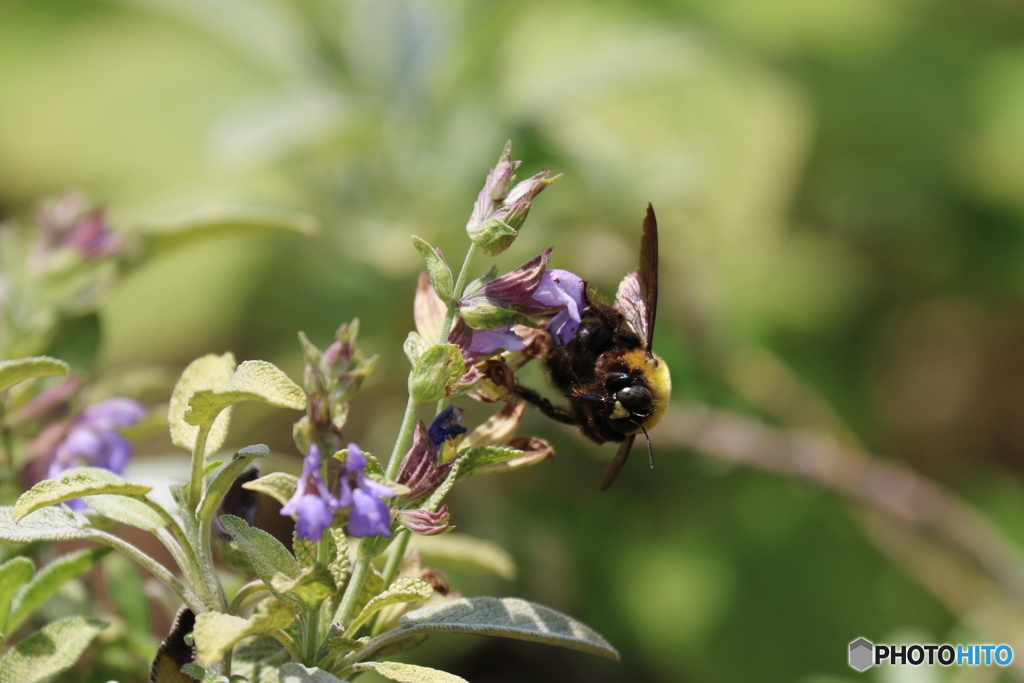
(659, 381)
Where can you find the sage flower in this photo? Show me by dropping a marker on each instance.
(531, 290)
(369, 514)
(312, 504)
(93, 440)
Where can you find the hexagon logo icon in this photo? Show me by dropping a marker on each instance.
(862, 653)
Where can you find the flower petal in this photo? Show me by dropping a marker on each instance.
(314, 515)
(369, 516)
(114, 412)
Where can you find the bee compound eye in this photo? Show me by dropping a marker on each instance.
(635, 399)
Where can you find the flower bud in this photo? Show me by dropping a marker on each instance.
(426, 523)
(437, 370)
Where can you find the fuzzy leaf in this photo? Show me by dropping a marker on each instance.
(48, 524)
(221, 484)
(13, 574)
(436, 370)
(304, 549)
(226, 221)
(339, 565)
(255, 660)
(278, 485)
(438, 271)
(48, 581)
(508, 618)
(312, 587)
(20, 369)
(55, 648)
(216, 633)
(467, 552)
(127, 511)
(406, 589)
(408, 673)
(267, 555)
(294, 672)
(75, 483)
(482, 456)
(254, 380)
(208, 372)
(414, 346)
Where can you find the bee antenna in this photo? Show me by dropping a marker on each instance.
(650, 450)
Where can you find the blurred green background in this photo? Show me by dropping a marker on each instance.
(839, 188)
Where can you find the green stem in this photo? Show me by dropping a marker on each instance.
(352, 591)
(404, 439)
(401, 542)
(245, 595)
(289, 644)
(195, 481)
(152, 566)
(460, 284)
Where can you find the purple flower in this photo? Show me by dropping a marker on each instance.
(67, 223)
(446, 426)
(420, 470)
(530, 290)
(312, 504)
(477, 344)
(565, 290)
(369, 515)
(93, 440)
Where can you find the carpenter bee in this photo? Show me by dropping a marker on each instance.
(615, 385)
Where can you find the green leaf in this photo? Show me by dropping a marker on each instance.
(414, 346)
(13, 574)
(128, 592)
(466, 552)
(48, 581)
(20, 369)
(254, 380)
(437, 370)
(255, 659)
(508, 618)
(438, 271)
(127, 511)
(339, 564)
(48, 524)
(408, 673)
(312, 587)
(267, 555)
(216, 633)
(406, 589)
(225, 221)
(294, 672)
(278, 485)
(208, 372)
(305, 550)
(49, 651)
(76, 483)
(482, 456)
(221, 484)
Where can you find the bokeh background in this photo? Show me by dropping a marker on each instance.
(840, 189)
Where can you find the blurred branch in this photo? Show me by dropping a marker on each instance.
(941, 541)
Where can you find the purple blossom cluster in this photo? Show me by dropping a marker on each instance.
(314, 506)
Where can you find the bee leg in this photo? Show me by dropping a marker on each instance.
(546, 406)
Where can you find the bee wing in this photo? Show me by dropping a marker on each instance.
(617, 462)
(637, 298)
